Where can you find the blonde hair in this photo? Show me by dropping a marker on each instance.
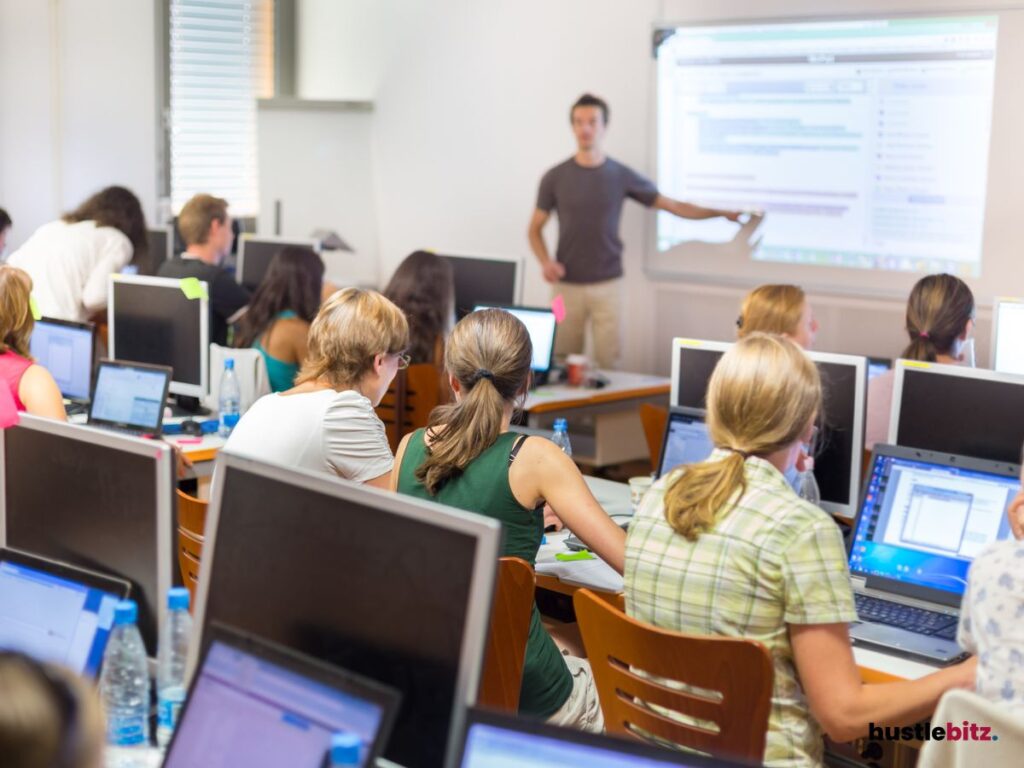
(48, 717)
(352, 327)
(938, 310)
(764, 393)
(16, 321)
(198, 214)
(489, 354)
(771, 309)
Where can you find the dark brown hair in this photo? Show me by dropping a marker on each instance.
(590, 100)
(294, 281)
(119, 208)
(423, 287)
(938, 310)
(5, 220)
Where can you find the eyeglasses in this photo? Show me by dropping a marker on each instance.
(403, 360)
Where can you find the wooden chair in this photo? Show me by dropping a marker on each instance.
(506, 642)
(191, 527)
(735, 678)
(654, 419)
(415, 392)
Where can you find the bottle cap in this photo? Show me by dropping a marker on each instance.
(561, 423)
(126, 612)
(345, 749)
(177, 599)
(229, 364)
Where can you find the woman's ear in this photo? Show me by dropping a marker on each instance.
(378, 364)
(454, 383)
(968, 330)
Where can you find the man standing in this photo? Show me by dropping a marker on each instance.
(588, 191)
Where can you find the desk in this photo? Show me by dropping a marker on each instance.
(201, 451)
(604, 424)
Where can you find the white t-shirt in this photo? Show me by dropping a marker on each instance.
(70, 266)
(325, 431)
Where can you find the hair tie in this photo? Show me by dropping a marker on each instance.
(743, 454)
(483, 373)
(923, 335)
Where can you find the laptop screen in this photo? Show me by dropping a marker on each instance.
(66, 351)
(54, 619)
(540, 323)
(923, 523)
(130, 396)
(245, 710)
(686, 441)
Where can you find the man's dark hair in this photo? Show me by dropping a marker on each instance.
(590, 100)
(5, 220)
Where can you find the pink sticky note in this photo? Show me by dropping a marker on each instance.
(8, 410)
(558, 307)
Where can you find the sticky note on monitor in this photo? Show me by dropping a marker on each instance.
(558, 307)
(193, 288)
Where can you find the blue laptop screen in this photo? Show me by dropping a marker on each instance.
(66, 352)
(924, 523)
(541, 325)
(687, 442)
(274, 716)
(130, 396)
(54, 619)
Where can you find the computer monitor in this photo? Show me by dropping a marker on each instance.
(95, 499)
(159, 249)
(256, 704)
(152, 320)
(255, 253)
(388, 587)
(956, 409)
(68, 351)
(541, 325)
(492, 740)
(1008, 335)
(494, 282)
(693, 362)
(56, 612)
(686, 439)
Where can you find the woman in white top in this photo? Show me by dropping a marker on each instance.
(70, 260)
(326, 422)
(940, 320)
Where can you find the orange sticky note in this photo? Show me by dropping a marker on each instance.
(558, 307)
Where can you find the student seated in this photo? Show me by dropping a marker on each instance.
(31, 385)
(782, 309)
(423, 287)
(70, 260)
(940, 320)
(48, 716)
(326, 422)
(280, 312)
(725, 547)
(205, 227)
(467, 458)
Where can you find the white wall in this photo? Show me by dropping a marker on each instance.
(77, 105)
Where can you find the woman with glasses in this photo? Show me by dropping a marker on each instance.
(326, 422)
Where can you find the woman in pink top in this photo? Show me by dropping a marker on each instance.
(31, 385)
(940, 320)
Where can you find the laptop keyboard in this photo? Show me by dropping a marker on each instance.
(906, 617)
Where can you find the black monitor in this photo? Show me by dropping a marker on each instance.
(956, 409)
(693, 362)
(161, 321)
(95, 499)
(159, 248)
(388, 587)
(255, 254)
(478, 281)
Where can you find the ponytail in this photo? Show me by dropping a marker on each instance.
(938, 311)
(703, 491)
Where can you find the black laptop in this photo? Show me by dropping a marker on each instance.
(129, 397)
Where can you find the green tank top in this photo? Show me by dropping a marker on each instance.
(484, 488)
(280, 375)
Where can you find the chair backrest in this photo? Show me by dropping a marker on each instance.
(250, 368)
(415, 392)
(720, 686)
(191, 528)
(506, 642)
(954, 708)
(654, 418)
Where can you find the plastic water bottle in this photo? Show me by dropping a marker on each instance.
(345, 750)
(173, 653)
(124, 689)
(807, 484)
(561, 436)
(230, 398)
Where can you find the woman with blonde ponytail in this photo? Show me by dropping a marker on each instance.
(725, 547)
(467, 458)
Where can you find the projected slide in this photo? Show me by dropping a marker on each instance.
(865, 143)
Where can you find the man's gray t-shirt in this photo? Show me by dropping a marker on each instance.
(589, 205)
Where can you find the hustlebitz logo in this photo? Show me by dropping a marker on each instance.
(966, 731)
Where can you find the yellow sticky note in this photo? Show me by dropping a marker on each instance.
(916, 364)
(34, 308)
(193, 288)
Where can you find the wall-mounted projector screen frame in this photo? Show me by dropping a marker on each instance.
(730, 263)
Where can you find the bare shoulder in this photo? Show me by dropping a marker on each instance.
(293, 327)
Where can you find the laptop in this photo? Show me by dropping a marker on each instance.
(129, 397)
(686, 439)
(56, 612)
(493, 740)
(257, 704)
(541, 325)
(67, 350)
(924, 516)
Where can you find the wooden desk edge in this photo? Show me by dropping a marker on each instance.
(202, 454)
(596, 397)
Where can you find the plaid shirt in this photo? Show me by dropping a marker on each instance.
(771, 560)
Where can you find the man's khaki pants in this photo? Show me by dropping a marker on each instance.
(600, 306)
